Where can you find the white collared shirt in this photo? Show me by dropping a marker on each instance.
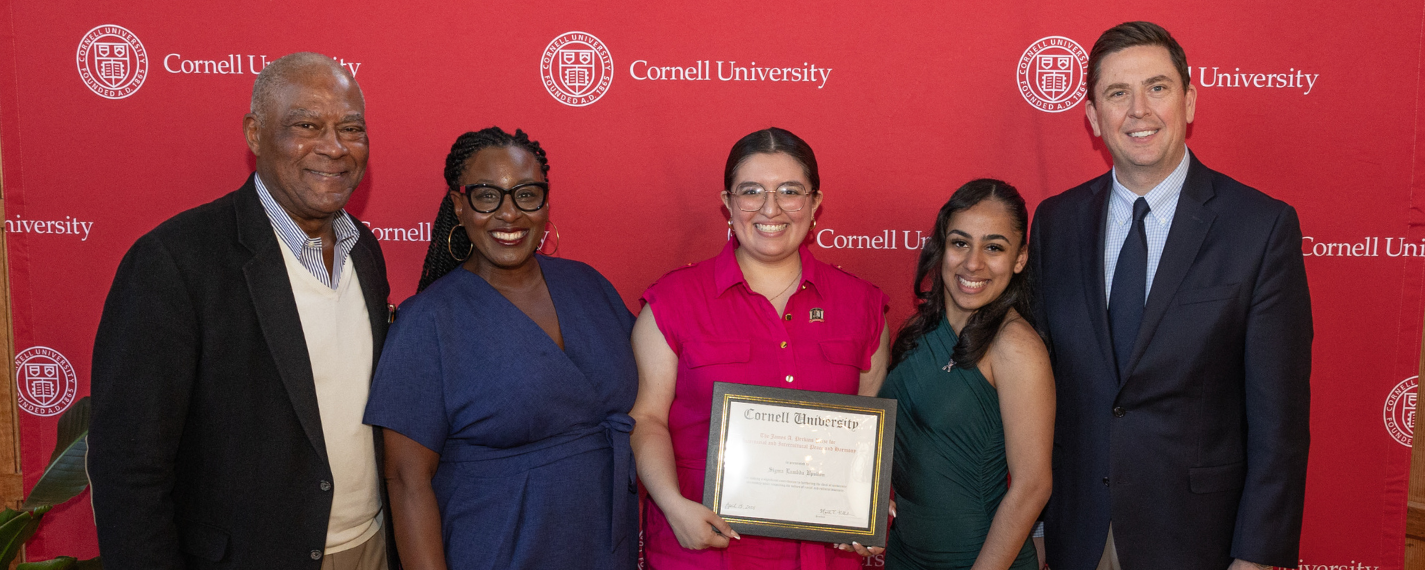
(1162, 204)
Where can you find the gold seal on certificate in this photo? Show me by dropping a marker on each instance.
(800, 464)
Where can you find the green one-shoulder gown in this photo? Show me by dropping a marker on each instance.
(950, 471)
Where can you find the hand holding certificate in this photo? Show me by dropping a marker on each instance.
(800, 464)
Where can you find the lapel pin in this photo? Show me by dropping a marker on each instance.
(950, 366)
(817, 316)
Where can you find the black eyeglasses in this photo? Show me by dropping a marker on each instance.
(486, 198)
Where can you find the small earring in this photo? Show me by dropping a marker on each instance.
(729, 224)
(451, 248)
(546, 239)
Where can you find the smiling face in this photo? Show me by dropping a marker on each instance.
(771, 234)
(311, 143)
(1141, 110)
(507, 237)
(983, 251)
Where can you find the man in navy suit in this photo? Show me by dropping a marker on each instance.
(1174, 302)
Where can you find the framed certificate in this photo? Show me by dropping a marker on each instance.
(800, 464)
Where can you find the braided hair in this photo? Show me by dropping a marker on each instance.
(985, 322)
(439, 260)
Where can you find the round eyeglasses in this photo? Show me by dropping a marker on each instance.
(753, 198)
(486, 198)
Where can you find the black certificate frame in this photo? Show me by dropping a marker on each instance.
(724, 393)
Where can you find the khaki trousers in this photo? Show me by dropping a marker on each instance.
(1110, 553)
(369, 555)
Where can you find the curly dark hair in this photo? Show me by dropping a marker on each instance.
(438, 258)
(984, 324)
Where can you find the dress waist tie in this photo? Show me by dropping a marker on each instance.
(617, 428)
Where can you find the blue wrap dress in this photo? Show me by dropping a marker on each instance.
(535, 465)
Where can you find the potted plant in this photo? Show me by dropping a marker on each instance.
(64, 478)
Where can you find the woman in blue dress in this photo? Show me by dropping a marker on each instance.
(505, 385)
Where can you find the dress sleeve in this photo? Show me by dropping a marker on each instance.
(666, 318)
(878, 304)
(408, 391)
(625, 318)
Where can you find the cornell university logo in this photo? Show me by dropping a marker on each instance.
(1051, 74)
(1400, 411)
(45, 380)
(112, 61)
(577, 69)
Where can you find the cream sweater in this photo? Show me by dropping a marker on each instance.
(338, 333)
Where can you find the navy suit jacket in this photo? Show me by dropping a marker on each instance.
(1197, 454)
(206, 449)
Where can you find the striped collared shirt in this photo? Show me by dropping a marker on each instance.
(307, 249)
(1162, 203)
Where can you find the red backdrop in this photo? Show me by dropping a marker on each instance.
(1316, 103)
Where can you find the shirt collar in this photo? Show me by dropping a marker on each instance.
(726, 271)
(292, 235)
(1162, 199)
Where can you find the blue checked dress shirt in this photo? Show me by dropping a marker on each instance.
(1162, 203)
(308, 250)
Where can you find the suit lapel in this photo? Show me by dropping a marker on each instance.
(373, 282)
(1093, 216)
(365, 257)
(276, 307)
(374, 288)
(1190, 224)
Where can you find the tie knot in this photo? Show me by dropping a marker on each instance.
(1140, 209)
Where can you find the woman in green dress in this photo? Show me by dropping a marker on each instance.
(975, 426)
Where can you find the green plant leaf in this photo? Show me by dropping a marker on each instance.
(15, 532)
(73, 425)
(64, 478)
(8, 531)
(61, 563)
(91, 564)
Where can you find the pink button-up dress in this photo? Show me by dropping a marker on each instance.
(724, 332)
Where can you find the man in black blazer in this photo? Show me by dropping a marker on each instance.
(1175, 305)
(213, 417)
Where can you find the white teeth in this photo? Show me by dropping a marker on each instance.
(971, 284)
(770, 227)
(509, 236)
(1141, 134)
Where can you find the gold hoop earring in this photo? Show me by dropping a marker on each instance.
(546, 239)
(451, 248)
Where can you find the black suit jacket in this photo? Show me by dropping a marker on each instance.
(206, 448)
(1198, 453)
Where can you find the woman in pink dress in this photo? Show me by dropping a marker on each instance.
(763, 312)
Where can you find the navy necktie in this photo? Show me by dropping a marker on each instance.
(1130, 283)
